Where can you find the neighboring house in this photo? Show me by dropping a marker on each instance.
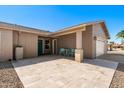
(91, 37)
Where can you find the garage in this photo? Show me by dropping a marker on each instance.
(100, 47)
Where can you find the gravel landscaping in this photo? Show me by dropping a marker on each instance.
(8, 76)
(118, 79)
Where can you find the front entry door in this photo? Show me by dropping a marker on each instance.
(40, 47)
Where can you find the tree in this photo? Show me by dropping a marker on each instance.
(121, 35)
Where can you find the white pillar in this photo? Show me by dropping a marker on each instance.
(79, 49)
(79, 39)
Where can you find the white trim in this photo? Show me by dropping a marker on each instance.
(56, 46)
(53, 48)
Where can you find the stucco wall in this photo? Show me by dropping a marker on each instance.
(87, 42)
(99, 32)
(67, 41)
(29, 43)
(6, 45)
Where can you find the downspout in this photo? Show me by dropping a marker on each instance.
(19, 34)
(18, 42)
(18, 47)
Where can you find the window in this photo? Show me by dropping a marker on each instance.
(46, 41)
(46, 46)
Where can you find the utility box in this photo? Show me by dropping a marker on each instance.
(19, 53)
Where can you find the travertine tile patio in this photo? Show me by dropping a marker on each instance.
(56, 71)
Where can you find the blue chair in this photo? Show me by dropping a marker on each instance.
(73, 52)
(70, 52)
(62, 51)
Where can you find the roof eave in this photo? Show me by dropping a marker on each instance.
(106, 30)
(68, 30)
(14, 27)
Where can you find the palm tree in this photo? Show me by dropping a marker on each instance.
(121, 35)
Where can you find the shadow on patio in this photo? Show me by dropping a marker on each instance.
(41, 59)
(52, 58)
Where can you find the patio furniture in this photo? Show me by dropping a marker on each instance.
(73, 52)
(62, 51)
(70, 52)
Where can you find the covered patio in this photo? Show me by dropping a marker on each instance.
(69, 42)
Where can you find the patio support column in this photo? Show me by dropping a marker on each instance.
(79, 49)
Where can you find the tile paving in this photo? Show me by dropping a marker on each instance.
(60, 72)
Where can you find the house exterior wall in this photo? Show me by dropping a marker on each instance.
(29, 43)
(6, 45)
(10, 39)
(66, 41)
(99, 34)
(87, 42)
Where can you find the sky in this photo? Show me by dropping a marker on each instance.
(53, 18)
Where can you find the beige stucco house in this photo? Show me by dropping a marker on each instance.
(89, 40)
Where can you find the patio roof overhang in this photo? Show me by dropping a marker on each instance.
(69, 30)
(65, 31)
(80, 27)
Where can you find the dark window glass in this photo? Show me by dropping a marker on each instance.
(46, 41)
(46, 47)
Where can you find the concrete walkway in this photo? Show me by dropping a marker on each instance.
(115, 55)
(56, 71)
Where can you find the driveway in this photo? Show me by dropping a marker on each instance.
(60, 72)
(116, 55)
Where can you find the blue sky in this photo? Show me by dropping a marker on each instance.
(53, 18)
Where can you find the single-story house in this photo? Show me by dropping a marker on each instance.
(91, 38)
